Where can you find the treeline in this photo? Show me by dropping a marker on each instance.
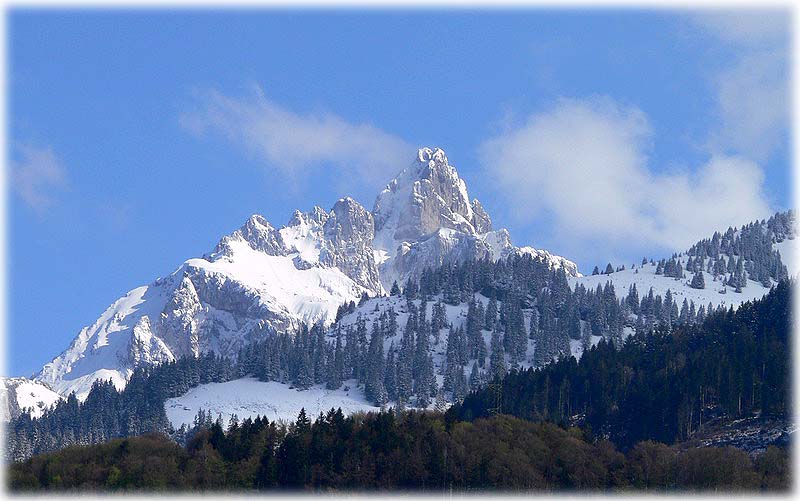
(747, 249)
(388, 450)
(530, 318)
(732, 257)
(108, 413)
(660, 385)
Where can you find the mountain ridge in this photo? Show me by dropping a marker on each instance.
(261, 279)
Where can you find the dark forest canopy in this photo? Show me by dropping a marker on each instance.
(659, 385)
(388, 450)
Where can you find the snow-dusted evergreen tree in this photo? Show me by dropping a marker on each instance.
(490, 314)
(586, 337)
(698, 281)
(405, 363)
(362, 350)
(497, 360)
(426, 383)
(390, 374)
(411, 289)
(474, 377)
(438, 320)
(374, 378)
(336, 369)
(474, 323)
(460, 384)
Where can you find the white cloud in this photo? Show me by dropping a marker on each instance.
(752, 92)
(36, 175)
(584, 164)
(747, 27)
(293, 143)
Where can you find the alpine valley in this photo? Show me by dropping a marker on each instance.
(412, 304)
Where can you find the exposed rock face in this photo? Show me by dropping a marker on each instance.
(258, 280)
(341, 238)
(424, 218)
(424, 197)
(480, 219)
(438, 248)
(348, 243)
(259, 234)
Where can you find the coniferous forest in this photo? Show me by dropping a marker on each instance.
(530, 304)
(619, 418)
(411, 450)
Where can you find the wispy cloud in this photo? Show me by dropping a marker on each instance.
(293, 143)
(752, 93)
(37, 174)
(584, 164)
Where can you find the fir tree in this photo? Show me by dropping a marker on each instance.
(497, 361)
(698, 281)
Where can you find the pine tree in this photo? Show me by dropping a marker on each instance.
(374, 381)
(405, 363)
(441, 401)
(460, 384)
(336, 368)
(474, 377)
(390, 374)
(426, 383)
(411, 289)
(586, 338)
(362, 350)
(497, 361)
(474, 323)
(698, 281)
(491, 314)
(395, 289)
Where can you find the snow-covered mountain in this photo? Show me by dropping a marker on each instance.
(261, 279)
(424, 217)
(19, 394)
(257, 280)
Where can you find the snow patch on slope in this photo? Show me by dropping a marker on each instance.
(645, 277)
(100, 348)
(18, 394)
(309, 295)
(249, 397)
(788, 249)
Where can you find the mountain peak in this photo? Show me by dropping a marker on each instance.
(436, 155)
(259, 235)
(424, 197)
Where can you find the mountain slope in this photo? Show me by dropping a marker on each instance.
(261, 279)
(20, 394)
(766, 250)
(251, 285)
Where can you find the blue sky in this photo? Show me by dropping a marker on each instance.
(137, 139)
